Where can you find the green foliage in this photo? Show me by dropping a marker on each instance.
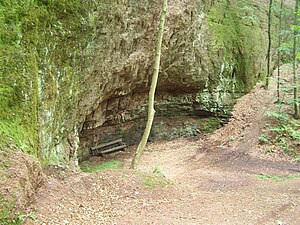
(18, 219)
(102, 167)
(286, 133)
(152, 181)
(279, 178)
(278, 115)
(263, 138)
(21, 218)
(285, 33)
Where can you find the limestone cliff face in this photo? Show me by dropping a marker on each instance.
(94, 82)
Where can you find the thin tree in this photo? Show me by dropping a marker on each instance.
(151, 110)
(278, 53)
(269, 45)
(295, 62)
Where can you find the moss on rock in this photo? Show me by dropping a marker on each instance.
(240, 39)
(62, 60)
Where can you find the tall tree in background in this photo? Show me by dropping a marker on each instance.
(269, 45)
(278, 52)
(295, 63)
(151, 110)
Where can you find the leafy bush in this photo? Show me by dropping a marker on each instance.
(286, 133)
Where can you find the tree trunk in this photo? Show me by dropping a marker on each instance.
(151, 110)
(278, 53)
(295, 64)
(269, 45)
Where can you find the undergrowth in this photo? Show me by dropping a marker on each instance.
(283, 133)
(18, 219)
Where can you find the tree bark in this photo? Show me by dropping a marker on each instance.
(269, 45)
(295, 63)
(151, 110)
(278, 53)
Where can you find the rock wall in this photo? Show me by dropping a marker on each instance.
(89, 63)
(212, 53)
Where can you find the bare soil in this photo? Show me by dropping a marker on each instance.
(211, 179)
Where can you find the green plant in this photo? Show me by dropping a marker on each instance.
(286, 133)
(22, 217)
(278, 115)
(263, 138)
(279, 178)
(151, 181)
(104, 166)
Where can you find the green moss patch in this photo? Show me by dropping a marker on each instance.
(41, 45)
(13, 134)
(238, 34)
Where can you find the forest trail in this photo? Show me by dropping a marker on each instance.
(213, 179)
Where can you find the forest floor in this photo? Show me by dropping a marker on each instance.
(226, 177)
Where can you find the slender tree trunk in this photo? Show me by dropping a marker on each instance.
(151, 110)
(295, 64)
(269, 45)
(278, 53)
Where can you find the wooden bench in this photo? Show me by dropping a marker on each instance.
(108, 147)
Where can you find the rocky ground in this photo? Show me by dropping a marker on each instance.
(222, 178)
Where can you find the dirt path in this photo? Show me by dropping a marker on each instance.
(211, 180)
